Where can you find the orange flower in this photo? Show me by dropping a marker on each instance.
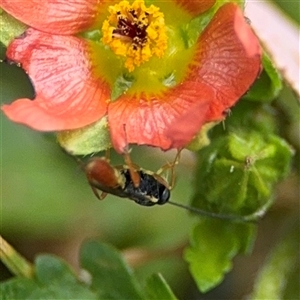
(160, 70)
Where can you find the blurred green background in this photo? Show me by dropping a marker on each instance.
(47, 205)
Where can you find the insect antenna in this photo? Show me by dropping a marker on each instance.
(252, 218)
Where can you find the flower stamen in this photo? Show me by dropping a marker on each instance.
(135, 32)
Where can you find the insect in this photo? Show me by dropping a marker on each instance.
(129, 181)
(142, 186)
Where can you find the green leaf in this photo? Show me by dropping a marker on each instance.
(237, 172)
(214, 243)
(269, 84)
(158, 289)
(50, 269)
(279, 276)
(59, 280)
(20, 288)
(10, 28)
(105, 276)
(86, 140)
(54, 280)
(111, 277)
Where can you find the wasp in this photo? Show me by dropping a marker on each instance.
(144, 187)
(128, 181)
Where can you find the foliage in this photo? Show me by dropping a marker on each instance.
(106, 277)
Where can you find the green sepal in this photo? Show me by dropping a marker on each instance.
(213, 245)
(201, 139)
(268, 85)
(93, 35)
(10, 28)
(259, 117)
(236, 173)
(192, 30)
(121, 85)
(86, 140)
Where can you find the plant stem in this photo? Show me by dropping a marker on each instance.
(16, 263)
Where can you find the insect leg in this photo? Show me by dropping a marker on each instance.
(135, 177)
(107, 155)
(96, 193)
(171, 167)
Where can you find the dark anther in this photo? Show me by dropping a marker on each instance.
(133, 13)
(132, 28)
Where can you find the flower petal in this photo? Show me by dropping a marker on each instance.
(184, 128)
(67, 96)
(196, 7)
(226, 63)
(167, 122)
(228, 59)
(54, 16)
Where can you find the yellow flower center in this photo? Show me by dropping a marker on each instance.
(135, 32)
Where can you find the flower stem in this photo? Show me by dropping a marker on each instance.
(16, 263)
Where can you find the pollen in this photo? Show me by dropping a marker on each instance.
(135, 32)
